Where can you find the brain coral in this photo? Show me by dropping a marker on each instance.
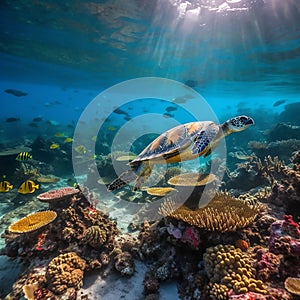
(223, 213)
(95, 236)
(33, 221)
(65, 271)
(229, 266)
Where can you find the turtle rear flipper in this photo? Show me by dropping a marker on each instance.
(125, 178)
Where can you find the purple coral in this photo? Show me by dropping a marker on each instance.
(284, 237)
(267, 265)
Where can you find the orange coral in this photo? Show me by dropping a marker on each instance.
(242, 244)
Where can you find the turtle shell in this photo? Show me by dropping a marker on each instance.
(175, 141)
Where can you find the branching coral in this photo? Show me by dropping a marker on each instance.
(33, 221)
(228, 265)
(64, 271)
(223, 213)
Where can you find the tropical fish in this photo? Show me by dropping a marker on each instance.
(80, 149)
(22, 156)
(37, 119)
(12, 119)
(171, 108)
(54, 146)
(191, 83)
(28, 187)
(94, 138)
(279, 102)
(59, 134)
(5, 186)
(72, 182)
(68, 140)
(112, 128)
(120, 112)
(16, 93)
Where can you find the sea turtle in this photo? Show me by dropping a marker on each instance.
(183, 142)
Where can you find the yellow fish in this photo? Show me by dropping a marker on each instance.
(68, 140)
(28, 187)
(94, 138)
(59, 134)
(54, 146)
(23, 156)
(80, 149)
(5, 186)
(112, 128)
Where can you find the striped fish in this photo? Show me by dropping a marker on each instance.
(5, 186)
(22, 156)
(28, 187)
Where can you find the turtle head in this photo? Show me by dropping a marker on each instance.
(237, 124)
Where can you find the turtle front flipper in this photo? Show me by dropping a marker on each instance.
(205, 141)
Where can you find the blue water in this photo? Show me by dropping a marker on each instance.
(240, 57)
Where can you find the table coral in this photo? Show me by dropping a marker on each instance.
(65, 271)
(228, 265)
(58, 198)
(33, 222)
(223, 213)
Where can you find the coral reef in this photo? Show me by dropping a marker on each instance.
(257, 173)
(228, 265)
(223, 213)
(124, 263)
(286, 191)
(65, 271)
(33, 222)
(78, 231)
(285, 237)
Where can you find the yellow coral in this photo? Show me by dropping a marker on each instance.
(192, 179)
(216, 291)
(228, 265)
(33, 221)
(159, 191)
(223, 213)
(64, 271)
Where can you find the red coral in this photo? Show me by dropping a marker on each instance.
(290, 226)
(191, 237)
